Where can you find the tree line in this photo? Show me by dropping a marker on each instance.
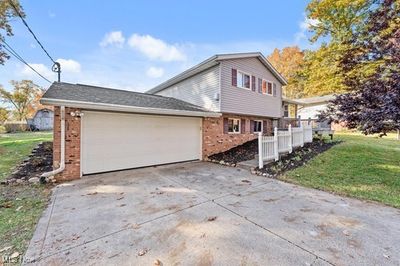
(358, 60)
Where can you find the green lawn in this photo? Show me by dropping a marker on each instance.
(20, 205)
(16, 147)
(361, 167)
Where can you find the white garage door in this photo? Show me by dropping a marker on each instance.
(115, 141)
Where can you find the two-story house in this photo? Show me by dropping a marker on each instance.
(245, 88)
(212, 107)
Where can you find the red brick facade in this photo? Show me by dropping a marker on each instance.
(72, 144)
(215, 140)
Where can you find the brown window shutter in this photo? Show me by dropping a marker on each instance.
(274, 89)
(251, 126)
(225, 125)
(259, 85)
(265, 126)
(234, 77)
(242, 126)
(253, 83)
(264, 87)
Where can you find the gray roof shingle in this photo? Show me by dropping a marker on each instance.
(94, 94)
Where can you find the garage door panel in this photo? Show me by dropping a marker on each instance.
(112, 141)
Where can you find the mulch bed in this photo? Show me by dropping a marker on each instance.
(287, 161)
(297, 158)
(244, 152)
(38, 162)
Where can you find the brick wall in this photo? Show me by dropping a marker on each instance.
(72, 144)
(214, 139)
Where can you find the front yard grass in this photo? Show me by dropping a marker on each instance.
(20, 205)
(361, 167)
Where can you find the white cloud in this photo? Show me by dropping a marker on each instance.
(113, 38)
(28, 73)
(51, 14)
(69, 65)
(155, 48)
(308, 22)
(155, 72)
(304, 26)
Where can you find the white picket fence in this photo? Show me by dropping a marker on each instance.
(269, 147)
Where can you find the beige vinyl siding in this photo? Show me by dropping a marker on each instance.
(241, 101)
(199, 89)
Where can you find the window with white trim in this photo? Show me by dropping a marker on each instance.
(243, 80)
(267, 87)
(286, 110)
(257, 126)
(233, 125)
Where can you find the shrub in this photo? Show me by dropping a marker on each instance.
(2, 129)
(15, 126)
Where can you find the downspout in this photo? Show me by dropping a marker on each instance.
(62, 159)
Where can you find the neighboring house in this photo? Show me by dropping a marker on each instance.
(42, 120)
(219, 104)
(308, 110)
(311, 107)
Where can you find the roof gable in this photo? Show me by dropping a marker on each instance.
(61, 93)
(214, 60)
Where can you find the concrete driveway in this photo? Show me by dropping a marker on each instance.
(205, 214)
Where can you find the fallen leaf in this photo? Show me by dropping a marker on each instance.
(135, 226)
(157, 263)
(75, 237)
(120, 198)
(92, 193)
(7, 204)
(213, 218)
(14, 255)
(246, 181)
(143, 252)
(5, 248)
(18, 209)
(122, 205)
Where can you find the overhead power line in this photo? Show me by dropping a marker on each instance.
(9, 49)
(30, 30)
(56, 65)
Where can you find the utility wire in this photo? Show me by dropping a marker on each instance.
(9, 49)
(27, 26)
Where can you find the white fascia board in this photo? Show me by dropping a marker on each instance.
(124, 108)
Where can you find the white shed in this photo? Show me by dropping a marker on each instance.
(43, 120)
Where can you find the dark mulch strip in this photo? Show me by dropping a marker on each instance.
(38, 162)
(241, 153)
(297, 158)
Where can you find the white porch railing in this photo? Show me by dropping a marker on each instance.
(269, 147)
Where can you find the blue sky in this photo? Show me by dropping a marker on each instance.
(136, 45)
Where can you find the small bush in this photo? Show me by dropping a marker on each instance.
(3, 130)
(15, 126)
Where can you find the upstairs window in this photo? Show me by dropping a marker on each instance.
(264, 86)
(269, 90)
(243, 80)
